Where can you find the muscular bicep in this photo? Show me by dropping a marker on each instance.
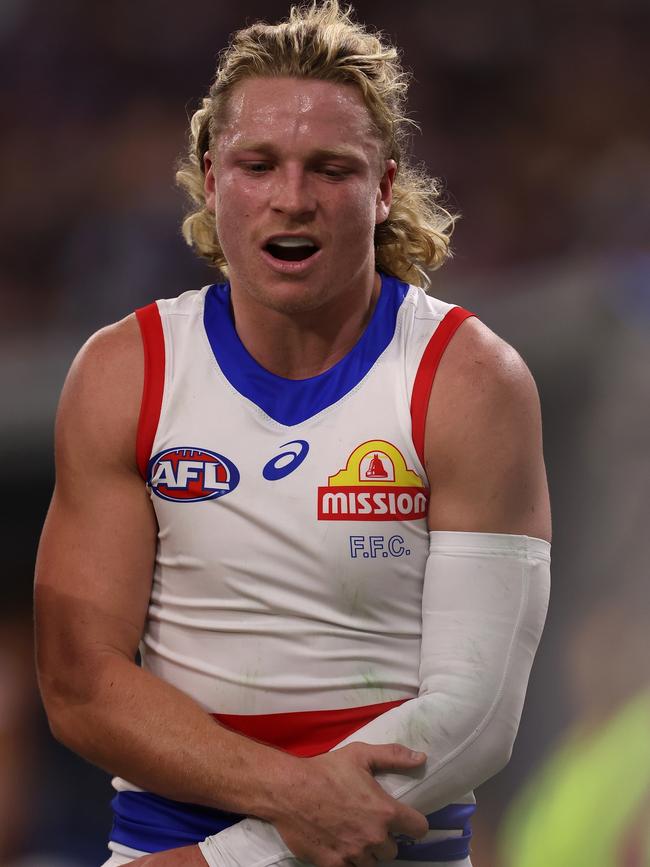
(94, 566)
(483, 445)
(95, 558)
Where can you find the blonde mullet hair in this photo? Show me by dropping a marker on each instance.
(322, 41)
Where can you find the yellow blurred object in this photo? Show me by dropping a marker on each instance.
(589, 804)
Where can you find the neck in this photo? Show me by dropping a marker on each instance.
(302, 344)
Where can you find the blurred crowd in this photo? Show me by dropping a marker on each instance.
(535, 115)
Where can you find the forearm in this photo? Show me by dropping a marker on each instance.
(484, 606)
(138, 727)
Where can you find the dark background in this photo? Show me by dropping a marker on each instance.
(535, 115)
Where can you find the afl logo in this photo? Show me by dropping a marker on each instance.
(189, 475)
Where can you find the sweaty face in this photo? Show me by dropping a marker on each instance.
(297, 187)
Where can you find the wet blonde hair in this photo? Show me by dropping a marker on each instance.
(322, 41)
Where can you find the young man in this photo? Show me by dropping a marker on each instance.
(335, 559)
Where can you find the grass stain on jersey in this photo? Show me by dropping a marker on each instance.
(352, 595)
(374, 685)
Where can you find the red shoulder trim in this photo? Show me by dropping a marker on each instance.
(153, 343)
(427, 371)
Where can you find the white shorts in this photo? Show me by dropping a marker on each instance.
(117, 860)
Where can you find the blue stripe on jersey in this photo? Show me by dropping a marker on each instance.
(454, 816)
(150, 823)
(292, 401)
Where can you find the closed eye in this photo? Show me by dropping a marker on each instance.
(334, 173)
(256, 168)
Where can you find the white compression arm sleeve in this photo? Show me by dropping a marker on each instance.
(484, 604)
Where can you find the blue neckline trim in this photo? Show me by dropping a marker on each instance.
(292, 401)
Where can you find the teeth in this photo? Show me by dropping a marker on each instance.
(293, 242)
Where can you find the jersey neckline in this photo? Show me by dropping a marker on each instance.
(292, 401)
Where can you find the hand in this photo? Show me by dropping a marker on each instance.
(332, 812)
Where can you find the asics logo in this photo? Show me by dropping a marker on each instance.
(286, 462)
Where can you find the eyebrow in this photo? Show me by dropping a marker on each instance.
(337, 152)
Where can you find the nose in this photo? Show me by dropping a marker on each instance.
(292, 194)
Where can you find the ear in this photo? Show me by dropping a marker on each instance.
(385, 192)
(209, 188)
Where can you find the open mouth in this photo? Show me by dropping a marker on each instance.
(291, 249)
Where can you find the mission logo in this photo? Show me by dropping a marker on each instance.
(375, 485)
(189, 475)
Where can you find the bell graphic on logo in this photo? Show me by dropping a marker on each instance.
(376, 470)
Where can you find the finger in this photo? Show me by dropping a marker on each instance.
(387, 851)
(393, 757)
(410, 822)
(363, 861)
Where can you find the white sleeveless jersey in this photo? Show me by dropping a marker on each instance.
(293, 537)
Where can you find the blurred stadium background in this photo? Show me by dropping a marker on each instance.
(536, 117)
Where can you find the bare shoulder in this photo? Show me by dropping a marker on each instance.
(484, 438)
(113, 353)
(100, 401)
(482, 367)
(95, 558)
(483, 389)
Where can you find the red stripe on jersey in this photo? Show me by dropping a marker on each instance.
(153, 343)
(304, 733)
(427, 371)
